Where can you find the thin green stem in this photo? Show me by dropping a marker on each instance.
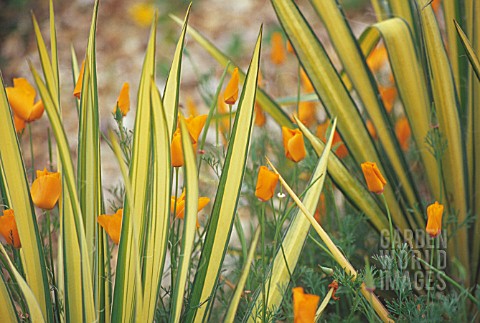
(31, 151)
(392, 240)
(432, 256)
(262, 243)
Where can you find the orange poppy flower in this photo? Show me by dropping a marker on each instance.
(373, 177)
(123, 101)
(112, 224)
(389, 95)
(277, 54)
(78, 85)
(293, 144)
(46, 189)
(178, 205)
(19, 123)
(304, 306)
(194, 126)
(403, 132)
(339, 147)
(8, 228)
(434, 221)
(230, 95)
(266, 183)
(306, 83)
(22, 100)
(307, 112)
(377, 58)
(290, 47)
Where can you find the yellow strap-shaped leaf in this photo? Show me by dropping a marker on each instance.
(189, 225)
(349, 185)
(223, 213)
(18, 197)
(446, 106)
(70, 189)
(124, 298)
(355, 67)
(7, 310)
(157, 234)
(172, 86)
(288, 253)
(333, 94)
(232, 308)
(263, 99)
(33, 306)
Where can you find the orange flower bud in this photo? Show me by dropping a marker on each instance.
(46, 189)
(230, 95)
(293, 144)
(307, 85)
(403, 132)
(260, 118)
(8, 228)
(434, 221)
(377, 58)
(176, 149)
(371, 129)
(78, 85)
(195, 126)
(123, 101)
(112, 224)
(389, 95)
(177, 205)
(307, 112)
(277, 54)
(338, 146)
(290, 47)
(266, 183)
(373, 177)
(304, 306)
(21, 97)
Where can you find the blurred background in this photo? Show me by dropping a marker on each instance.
(122, 34)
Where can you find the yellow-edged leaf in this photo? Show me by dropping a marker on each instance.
(226, 200)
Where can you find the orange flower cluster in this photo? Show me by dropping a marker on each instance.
(8, 228)
(22, 101)
(266, 183)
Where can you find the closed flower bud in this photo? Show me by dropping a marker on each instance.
(123, 101)
(277, 54)
(8, 228)
(21, 98)
(78, 85)
(230, 95)
(434, 221)
(176, 149)
(373, 177)
(403, 132)
(266, 183)
(304, 306)
(307, 112)
(112, 224)
(260, 118)
(293, 144)
(46, 189)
